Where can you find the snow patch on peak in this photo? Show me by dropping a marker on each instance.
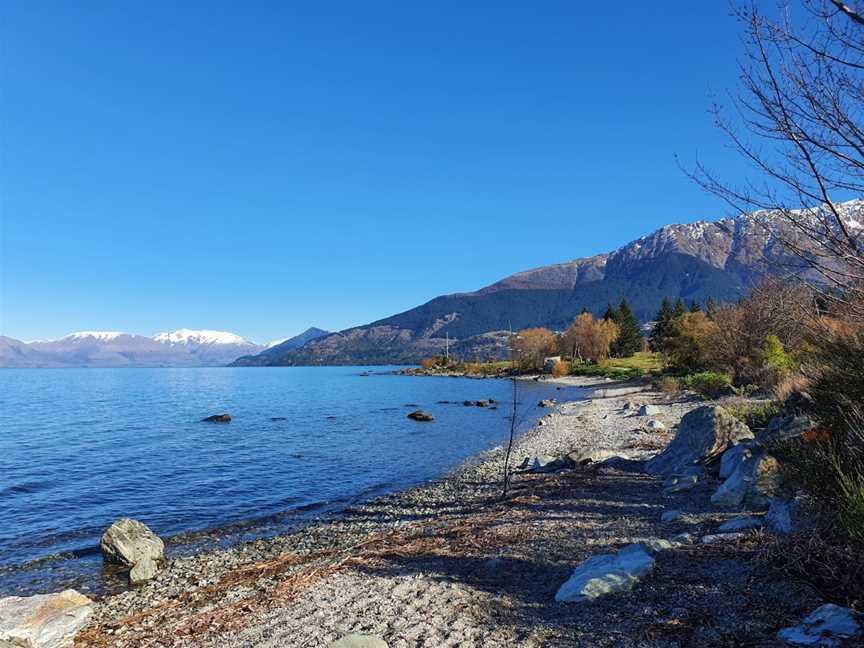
(103, 336)
(203, 336)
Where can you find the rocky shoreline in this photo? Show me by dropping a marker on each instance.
(450, 563)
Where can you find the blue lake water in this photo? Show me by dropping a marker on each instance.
(81, 448)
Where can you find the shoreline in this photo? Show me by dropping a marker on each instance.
(449, 563)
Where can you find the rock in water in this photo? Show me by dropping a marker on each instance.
(359, 641)
(420, 415)
(703, 434)
(606, 573)
(217, 418)
(128, 542)
(43, 621)
(827, 625)
(546, 402)
(143, 571)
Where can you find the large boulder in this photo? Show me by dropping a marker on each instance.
(606, 573)
(754, 481)
(43, 621)
(128, 542)
(143, 571)
(734, 456)
(703, 434)
(827, 625)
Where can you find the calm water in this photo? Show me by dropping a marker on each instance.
(80, 448)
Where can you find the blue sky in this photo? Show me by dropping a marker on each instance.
(263, 167)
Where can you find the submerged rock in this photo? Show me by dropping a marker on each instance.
(43, 621)
(128, 542)
(217, 418)
(827, 625)
(606, 573)
(420, 415)
(704, 434)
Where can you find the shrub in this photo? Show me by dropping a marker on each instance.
(756, 414)
(668, 385)
(428, 363)
(710, 384)
(561, 368)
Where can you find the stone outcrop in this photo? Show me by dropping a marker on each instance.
(43, 621)
(827, 625)
(217, 418)
(702, 436)
(607, 573)
(420, 415)
(128, 541)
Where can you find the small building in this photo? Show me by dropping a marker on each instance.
(550, 362)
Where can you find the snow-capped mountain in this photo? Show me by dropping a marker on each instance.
(181, 348)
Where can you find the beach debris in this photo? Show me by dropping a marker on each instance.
(127, 542)
(44, 620)
(649, 410)
(144, 570)
(755, 479)
(359, 641)
(420, 415)
(827, 625)
(606, 573)
(217, 418)
(742, 523)
(546, 402)
(630, 406)
(703, 434)
(671, 516)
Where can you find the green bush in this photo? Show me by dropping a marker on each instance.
(757, 414)
(710, 384)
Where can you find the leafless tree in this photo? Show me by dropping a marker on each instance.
(798, 120)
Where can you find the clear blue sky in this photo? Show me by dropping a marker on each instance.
(262, 167)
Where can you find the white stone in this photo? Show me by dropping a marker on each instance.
(741, 523)
(606, 573)
(654, 424)
(649, 410)
(359, 641)
(142, 571)
(825, 626)
(43, 621)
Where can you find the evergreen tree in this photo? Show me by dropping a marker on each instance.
(680, 309)
(695, 307)
(629, 340)
(611, 314)
(661, 326)
(711, 308)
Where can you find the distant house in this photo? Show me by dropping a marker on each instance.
(550, 362)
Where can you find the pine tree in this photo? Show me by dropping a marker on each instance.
(711, 308)
(661, 326)
(695, 307)
(611, 314)
(680, 309)
(630, 337)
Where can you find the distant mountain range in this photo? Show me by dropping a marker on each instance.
(720, 259)
(182, 348)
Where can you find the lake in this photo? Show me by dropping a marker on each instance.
(80, 448)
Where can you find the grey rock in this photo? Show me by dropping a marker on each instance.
(547, 402)
(742, 523)
(654, 424)
(546, 464)
(827, 625)
(43, 621)
(704, 434)
(655, 546)
(733, 457)
(785, 428)
(671, 516)
(359, 641)
(421, 416)
(586, 456)
(606, 573)
(127, 542)
(755, 480)
(649, 410)
(684, 539)
(143, 571)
